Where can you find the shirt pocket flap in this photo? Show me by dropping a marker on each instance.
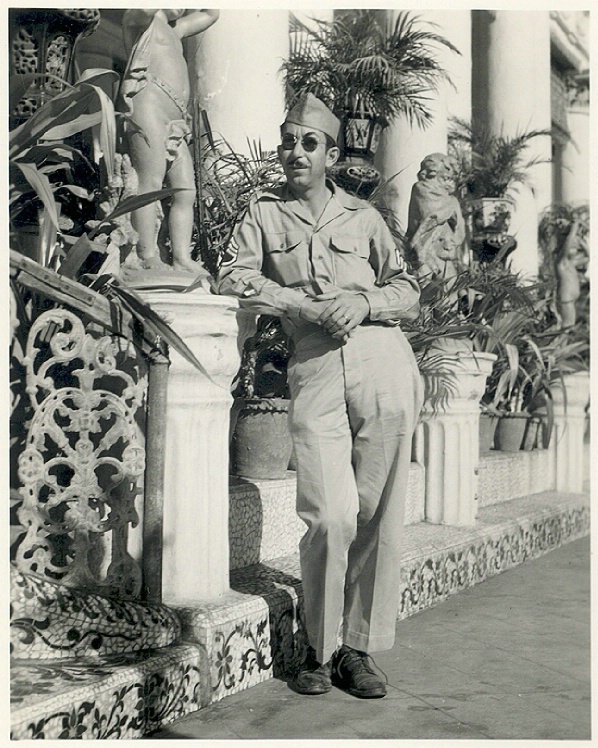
(353, 244)
(283, 242)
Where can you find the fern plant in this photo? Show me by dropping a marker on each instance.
(489, 164)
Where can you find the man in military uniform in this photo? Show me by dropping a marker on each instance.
(326, 263)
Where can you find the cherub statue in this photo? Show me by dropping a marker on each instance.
(155, 95)
(436, 229)
(567, 275)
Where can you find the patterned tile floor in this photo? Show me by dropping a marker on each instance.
(256, 632)
(505, 660)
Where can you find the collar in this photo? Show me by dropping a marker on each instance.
(346, 201)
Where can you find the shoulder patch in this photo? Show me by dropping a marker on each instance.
(230, 253)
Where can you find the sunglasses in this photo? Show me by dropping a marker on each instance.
(309, 143)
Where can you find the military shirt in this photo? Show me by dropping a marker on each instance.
(281, 255)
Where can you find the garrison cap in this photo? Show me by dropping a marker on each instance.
(309, 111)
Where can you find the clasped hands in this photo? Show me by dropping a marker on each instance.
(338, 313)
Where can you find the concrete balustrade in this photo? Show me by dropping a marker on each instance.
(569, 427)
(196, 495)
(451, 440)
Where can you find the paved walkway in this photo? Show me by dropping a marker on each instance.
(506, 659)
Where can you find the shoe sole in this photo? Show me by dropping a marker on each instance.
(305, 692)
(361, 695)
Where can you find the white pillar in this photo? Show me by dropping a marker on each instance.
(569, 429)
(404, 146)
(511, 96)
(195, 562)
(576, 157)
(237, 67)
(451, 441)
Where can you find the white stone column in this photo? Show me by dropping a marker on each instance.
(451, 442)
(511, 94)
(403, 146)
(195, 531)
(569, 429)
(237, 69)
(576, 157)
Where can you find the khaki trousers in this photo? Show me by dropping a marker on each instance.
(353, 411)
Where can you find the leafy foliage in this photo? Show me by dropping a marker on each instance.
(489, 164)
(228, 180)
(357, 64)
(44, 169)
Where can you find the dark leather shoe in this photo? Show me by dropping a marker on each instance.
(353, 673)
(313, 678)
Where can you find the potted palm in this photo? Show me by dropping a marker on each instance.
(368, 73)
(471, 309)
(489, 165)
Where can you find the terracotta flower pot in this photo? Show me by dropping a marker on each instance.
(510, 432)
(488, 424)
(262, 441)
(530, 437)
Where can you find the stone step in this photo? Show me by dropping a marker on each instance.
(104, 697)
(255, 632)
(264, 525)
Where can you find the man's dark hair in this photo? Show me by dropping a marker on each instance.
(330, 142)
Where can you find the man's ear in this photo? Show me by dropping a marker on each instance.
(332, 155)
(279, 152)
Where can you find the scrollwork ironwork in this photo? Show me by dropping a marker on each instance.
(80, 470)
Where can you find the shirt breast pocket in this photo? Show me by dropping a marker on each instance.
(345, 244)
(350, 255)
(286, 259)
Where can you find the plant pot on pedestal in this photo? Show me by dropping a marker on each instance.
(488, 424)
(262, 442)
(530, 436)
(360, 137)
(491, 215)
(510, 431)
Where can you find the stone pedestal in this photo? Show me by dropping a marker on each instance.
(451, 441)
(569, 427)
(195, 563)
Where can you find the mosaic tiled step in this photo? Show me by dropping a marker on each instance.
(255, 631)
(103, 698)
(51, 621)
(263, 522)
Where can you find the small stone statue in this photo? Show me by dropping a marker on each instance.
(568, 285)
(155, 95)
(436, 229)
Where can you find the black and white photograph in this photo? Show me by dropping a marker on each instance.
(299, 373)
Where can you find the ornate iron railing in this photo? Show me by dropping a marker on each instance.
(84, 458)
(78, 435)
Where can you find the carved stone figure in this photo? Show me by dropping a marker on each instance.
(568, 285)
(155, 96)
(436, 229)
